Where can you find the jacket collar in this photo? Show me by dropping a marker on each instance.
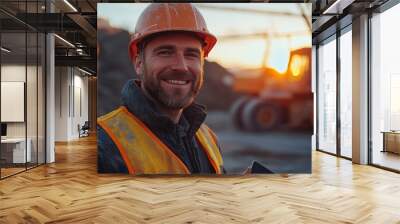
(143, 108)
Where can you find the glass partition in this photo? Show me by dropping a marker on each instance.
(385, 89)
(13, 94)
(327, 96)
(22, 90)
(346, 94)
(31, 98)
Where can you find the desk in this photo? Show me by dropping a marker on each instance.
(16, 147)
(391, 141)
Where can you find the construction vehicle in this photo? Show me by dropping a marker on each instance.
(274, 100)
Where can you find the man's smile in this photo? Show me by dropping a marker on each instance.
(171, 84)
(176, 82)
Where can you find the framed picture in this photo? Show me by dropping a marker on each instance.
(200, 88)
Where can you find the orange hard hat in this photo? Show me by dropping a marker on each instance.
(164, 17)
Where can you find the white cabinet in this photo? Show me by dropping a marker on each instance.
(18, 149)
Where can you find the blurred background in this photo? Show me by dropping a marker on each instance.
(260, 71)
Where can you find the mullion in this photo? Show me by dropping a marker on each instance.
(338, 96)
(0, 97)
(26, 87)
(37, 91)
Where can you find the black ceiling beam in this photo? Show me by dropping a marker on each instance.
(84, 24)
(8, 24)
(75, 61)
(63, 51)
(91, 5)
(49, 22)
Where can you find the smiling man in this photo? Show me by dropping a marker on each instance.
(159, 128)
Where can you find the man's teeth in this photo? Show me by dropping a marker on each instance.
(177, 82)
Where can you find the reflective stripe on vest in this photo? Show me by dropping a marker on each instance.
(144, 153)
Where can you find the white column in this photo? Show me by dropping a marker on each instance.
(50, 94)
(360, 90)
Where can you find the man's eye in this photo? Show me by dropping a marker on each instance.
(164, 53)
(192, 55)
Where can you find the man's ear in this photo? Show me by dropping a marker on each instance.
(138, 63)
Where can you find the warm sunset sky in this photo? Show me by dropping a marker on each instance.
(238, 53)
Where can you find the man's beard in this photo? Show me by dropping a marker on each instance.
(152, 85)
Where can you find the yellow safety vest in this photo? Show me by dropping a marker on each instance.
(144, 153)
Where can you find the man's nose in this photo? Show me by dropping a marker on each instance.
(180, 63)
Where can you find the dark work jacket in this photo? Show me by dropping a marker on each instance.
(180, 138)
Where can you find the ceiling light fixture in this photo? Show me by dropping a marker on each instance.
(5, 50)
(79, 51)
(64, 40)
(84, 71)
(70, 5)
(337, 7)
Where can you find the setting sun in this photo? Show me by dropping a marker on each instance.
(298, 64)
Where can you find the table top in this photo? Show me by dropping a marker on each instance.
(13, 140)
(391, 132)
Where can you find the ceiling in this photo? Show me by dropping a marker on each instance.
(330, 15)
(73, 21)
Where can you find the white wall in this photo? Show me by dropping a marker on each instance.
(71, 94)
(16, 73)
(61, 103)
(13, 73)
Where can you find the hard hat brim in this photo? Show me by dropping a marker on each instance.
(208, 39)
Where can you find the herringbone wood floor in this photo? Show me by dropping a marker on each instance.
(70, 191)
